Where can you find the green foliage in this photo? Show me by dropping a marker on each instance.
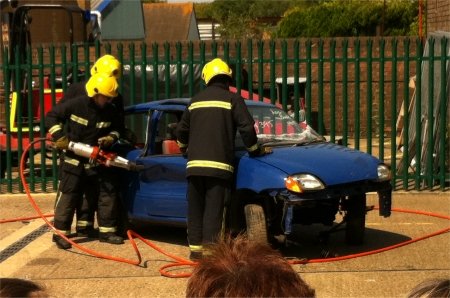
(242, 18)
(350, 18)
(203, 10)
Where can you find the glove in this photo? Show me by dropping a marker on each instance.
(62, 143)
(106, 141)
(265, 150)
(261, 151)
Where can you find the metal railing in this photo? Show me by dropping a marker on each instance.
(387, 97)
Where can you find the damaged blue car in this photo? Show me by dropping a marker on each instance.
(306, 180)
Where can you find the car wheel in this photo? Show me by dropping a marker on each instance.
(355, 219)
(256, 223)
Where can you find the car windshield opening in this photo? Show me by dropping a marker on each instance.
(274, 127)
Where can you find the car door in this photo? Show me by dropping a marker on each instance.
(160, 190)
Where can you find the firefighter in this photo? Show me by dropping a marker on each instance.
(206, 133)
(85, 213)
(90, 119)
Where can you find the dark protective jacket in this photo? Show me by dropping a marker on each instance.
(208, 129)
(84, 122)
(79, 88)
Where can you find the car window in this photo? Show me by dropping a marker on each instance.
(165, 138)
(276, 128)
(137, 123)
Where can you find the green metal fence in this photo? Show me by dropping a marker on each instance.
(387, 97)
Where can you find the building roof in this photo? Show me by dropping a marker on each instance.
(168, 22)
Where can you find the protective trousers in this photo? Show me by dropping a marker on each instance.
(207, 197)
(99, 190)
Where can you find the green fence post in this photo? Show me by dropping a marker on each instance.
(308, 81)
(214, 49)
(296, 106)
(86, 63)
(320, 91)
(74, 58)
(238, 63)
(249, 86)
(108, 48)
(381, 102)
(260, 44)
(357, 118)
(178, 48)
(167, 70)
(405, 140)
(430, 119)
(52, 86)
(394, 111)
(332, 90)
(203, 58)
(418, 124)
(369, 95)
(29, 66)
(97, 46)
(120, 58)
(19, 110)
(284, 90)
(345, 92)
(131, 57)
(155, 53)
(144, 86)
(63, 69)
(191, 68)
(7, 78)
(443, 141)
(226, 51)
(272, 63)
(41, 120)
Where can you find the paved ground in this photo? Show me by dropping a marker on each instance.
(74, 273)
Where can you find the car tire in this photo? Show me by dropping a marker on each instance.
(355, 219)
(256, 223)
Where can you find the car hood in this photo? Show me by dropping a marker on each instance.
(331, 163)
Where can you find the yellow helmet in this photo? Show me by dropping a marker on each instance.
(215, 67)
(101, 83)
(107, 64)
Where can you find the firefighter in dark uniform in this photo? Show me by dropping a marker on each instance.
(206, 133)
(85, 213)
(92, 120)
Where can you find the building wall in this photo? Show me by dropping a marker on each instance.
(438, 15)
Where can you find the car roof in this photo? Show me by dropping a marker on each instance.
(175, 104)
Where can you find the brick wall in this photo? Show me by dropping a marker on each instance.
(438, 15)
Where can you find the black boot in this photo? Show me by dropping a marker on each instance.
(88, 232)
(110, 238)
(60, 242)
(195, 255)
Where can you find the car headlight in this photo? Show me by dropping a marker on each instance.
(303, 182)
(384, 173)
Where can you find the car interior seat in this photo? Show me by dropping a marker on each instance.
(170, 146)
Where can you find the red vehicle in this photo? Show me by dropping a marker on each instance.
(27, 94)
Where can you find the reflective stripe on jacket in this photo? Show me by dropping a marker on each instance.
(208, 128)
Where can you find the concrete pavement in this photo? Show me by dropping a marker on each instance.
(73, 273)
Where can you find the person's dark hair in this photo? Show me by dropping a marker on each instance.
(241, 268)
(16, 287)
(431, 288)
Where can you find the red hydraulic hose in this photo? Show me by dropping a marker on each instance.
(131, 234)
(180, 262)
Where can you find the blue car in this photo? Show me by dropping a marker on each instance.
(306, 180)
